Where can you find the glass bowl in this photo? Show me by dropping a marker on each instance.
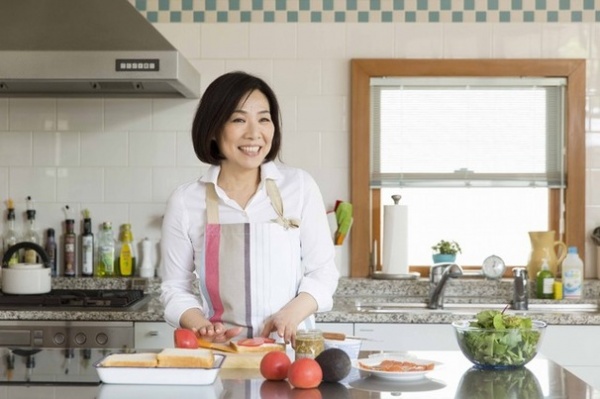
(493, 349)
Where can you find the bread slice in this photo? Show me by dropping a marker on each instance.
(180, 357)
(130, 360)
(263, 348)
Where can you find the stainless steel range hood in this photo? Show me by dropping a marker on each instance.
(87, 48)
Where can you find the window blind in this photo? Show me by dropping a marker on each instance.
(467, 132)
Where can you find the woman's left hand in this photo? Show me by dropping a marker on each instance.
(286, 321)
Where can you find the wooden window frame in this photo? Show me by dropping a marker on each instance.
(367, 202)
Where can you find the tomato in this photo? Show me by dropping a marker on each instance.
(275, 390)
(256, 341)
(275, 365)
(312, 393)
(185, 338)
(305, 373)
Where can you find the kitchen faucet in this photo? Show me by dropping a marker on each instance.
(521, 291)
(440, 273)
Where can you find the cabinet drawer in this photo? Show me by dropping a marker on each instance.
(153, 335)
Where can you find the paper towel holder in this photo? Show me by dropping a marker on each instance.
(396, 198)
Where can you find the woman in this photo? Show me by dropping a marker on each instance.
(252, 233)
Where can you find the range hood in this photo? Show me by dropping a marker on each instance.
(87, 48)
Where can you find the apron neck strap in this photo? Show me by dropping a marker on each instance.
(274, 196)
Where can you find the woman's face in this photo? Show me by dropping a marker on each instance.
(248, 134)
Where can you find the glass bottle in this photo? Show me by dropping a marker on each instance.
(10, 235)
(31, 234)
(309, 343)
(69, 255)
(545, 282)
(126, 256)
(50, 249)
(87, 246)
(106, 251)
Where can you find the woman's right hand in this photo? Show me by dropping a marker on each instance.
(217, 332)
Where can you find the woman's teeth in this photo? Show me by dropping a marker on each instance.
(251, 150)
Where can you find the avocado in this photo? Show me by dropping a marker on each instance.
(335, 364)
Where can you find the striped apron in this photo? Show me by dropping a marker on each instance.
(250, 270)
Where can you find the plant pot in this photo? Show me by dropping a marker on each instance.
(444, 258)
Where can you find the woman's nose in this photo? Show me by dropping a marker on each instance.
(253, 131)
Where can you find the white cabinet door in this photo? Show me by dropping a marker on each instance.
(153, 335)
(406, 337)
(344, 328)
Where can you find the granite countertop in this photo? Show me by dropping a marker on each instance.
(350, 292)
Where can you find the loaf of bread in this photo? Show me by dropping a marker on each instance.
(180, 357)
(130, 360)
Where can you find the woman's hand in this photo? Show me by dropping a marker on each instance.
(216, 332)
(286, 321)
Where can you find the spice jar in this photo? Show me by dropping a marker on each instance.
(309, 343)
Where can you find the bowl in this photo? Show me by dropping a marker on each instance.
(348, 345)
(499, 349)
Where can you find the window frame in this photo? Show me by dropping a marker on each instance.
(367, 202)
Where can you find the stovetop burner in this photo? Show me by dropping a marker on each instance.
(75, 298)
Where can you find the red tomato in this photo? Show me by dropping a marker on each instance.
(305, 373)
(275, 390)
(256, 341)
(185, 338)
(312, 393)
(275, 365)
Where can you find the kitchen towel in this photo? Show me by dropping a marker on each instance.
(395, 239)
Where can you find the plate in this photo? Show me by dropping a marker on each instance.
(374, 384)
(160, 375)
(393, 375)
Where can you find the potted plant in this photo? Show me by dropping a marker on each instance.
(445, 251)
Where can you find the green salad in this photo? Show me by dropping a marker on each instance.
(509, 340)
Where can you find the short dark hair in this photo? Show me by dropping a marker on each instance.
(216, 106)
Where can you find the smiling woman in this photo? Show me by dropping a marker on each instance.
(368, 195)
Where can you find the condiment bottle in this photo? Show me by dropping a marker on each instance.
(69, 256)
(31, 234)
(309, 343)
(545, 282)
(126, 256)
(572, 274)
(106, 251)
(147, 268)
(87, 246)
(50, 249)
(10, 235)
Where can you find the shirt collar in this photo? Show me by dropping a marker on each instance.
(268, 170)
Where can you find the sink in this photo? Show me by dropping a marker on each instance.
(472, 308)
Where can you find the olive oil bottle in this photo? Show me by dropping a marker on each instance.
(126, 254)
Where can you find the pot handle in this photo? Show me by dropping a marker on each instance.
(29, 245)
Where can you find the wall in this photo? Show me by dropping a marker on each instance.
(121, 158)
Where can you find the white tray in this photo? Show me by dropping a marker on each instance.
(123, 391)
(160, 375)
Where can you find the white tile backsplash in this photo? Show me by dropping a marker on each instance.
(121, 158)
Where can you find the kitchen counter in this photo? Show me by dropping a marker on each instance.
(349, 292)
(453, 378)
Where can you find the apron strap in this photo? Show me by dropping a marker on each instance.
(275, 197)
(212, 204)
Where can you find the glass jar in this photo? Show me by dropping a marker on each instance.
(309, 343)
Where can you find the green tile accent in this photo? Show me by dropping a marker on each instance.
(222, 16)
(163, 5)
(316, 16)
(589, 4)
(351, 5)
(492, 4)
(175, 16)
(257, 5)
(576, 16)
(269, 16)
(457, 16)
(564, 5)
(469, 5)
(339, 16)
(410, 16)
(387, 16)
(552, 16)
(187, 5)
(246, 16)
(141, 5)
(516, 4)
(433, 16)
(198, 16)
(292, 16)
(398, 5)
(445, 4)
(375, 5)
(234, 5)
(280, 5)
(528, 16)
(152, 16)
(211, 5)
(504, 16)
(304, 5)
(480, 16)
(422, 5)
(327, 5)
(363, 16)
(540, 4)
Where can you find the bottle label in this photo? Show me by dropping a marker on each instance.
(106, 256)
(30, 256)
(572, 280)
(87, 255)
(548, 286)
(125, 260)
(69, 256)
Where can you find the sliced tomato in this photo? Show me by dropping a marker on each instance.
(185, 338)
(269, 340)
(256, 341)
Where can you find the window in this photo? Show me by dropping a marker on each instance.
(553, 193)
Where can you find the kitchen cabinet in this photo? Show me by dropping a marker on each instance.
(153, 335)
(406, 337)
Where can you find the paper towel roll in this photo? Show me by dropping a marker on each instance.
(395, 239)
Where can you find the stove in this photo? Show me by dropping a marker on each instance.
(73, 298)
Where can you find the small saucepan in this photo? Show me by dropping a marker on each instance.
(26, 278)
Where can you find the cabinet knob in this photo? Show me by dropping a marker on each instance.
(153, 333)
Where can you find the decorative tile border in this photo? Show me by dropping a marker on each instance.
(408, 11)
